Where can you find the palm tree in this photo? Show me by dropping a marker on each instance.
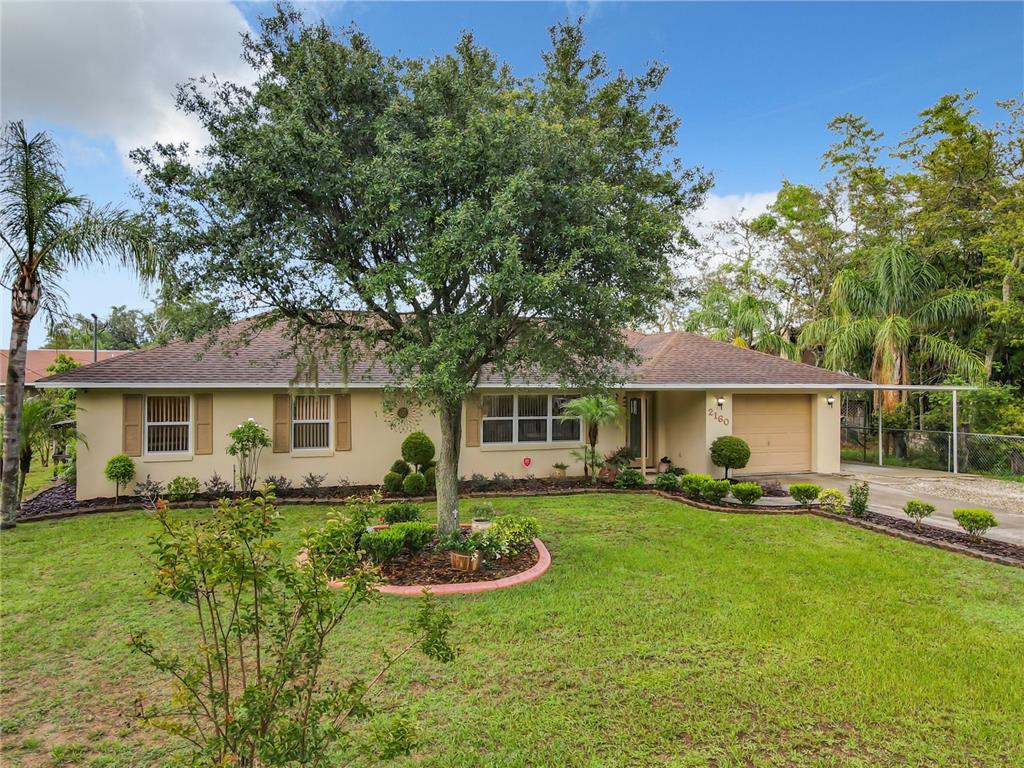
(896, 308)
(742, 319)
(40, 424)
(594, 411)
(46, 229)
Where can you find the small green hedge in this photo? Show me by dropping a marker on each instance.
(917, 510)
(859, 493)
(832, 500)
(975, 521)
(630, 478)
(713, 491)
(393, 482)
(380, 546)
(747, 493)
(401, 512)
(804, 493)
(182, 488)
(667, 481)
(510, 533)
(414, 484)
(693, 483)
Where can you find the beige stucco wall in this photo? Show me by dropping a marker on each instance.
(686, 423)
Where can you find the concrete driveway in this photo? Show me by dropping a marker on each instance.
(891, 487)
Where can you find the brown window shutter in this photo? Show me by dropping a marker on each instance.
(472, 421)
(343, 422)
(204, 424)
(131, 425)
(282, 423)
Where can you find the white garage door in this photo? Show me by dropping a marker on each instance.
(778, 430)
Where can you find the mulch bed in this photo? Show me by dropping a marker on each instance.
(432, 566)
(989, 546)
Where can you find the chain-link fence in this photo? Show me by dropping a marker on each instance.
(997, 455)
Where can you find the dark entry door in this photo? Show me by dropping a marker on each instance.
(636, 427)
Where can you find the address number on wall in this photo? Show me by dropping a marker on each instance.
(716, 416)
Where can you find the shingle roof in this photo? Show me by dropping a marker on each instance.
(668, 359)
(38, 360)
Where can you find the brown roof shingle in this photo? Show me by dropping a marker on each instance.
(38, 360)
(668, 359)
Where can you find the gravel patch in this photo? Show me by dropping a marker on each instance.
(996, 495)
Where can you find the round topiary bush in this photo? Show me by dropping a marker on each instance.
(393, 482)
(714, 491)
(804, 493)
(975, 521)
(430, 475)
(730, 452)
(120, 470)
(832, 500)
(401, 467)
(414, 484)
(747, 493)
(418, 450)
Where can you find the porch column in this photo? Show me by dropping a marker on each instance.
(643, 435)
(881, 407)
(956, 431)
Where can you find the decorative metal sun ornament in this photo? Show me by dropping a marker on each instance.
(401, 412)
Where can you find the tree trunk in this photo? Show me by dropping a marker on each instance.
(448, 468)
(14, 395)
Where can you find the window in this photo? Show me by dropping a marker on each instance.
(168, 423)
(526, 419)
(311, 422)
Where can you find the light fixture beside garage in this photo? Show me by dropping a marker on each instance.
(720, 401)
(830, 400)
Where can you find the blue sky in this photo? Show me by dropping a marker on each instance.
(754, 83)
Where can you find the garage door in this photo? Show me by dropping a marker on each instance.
(778, 430)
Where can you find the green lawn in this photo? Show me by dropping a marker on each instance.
(37, 477)
(660, 636)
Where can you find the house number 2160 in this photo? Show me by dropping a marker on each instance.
(716, 416)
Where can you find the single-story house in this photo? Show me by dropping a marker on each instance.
(38, 360)
(171, 407)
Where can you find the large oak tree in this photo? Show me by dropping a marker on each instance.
(469, 219)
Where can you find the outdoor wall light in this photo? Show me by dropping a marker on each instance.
(720, 401)
(830, 400)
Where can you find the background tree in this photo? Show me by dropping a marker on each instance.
(441, 216)
(122, 328)
(742, 319)
(45, 229)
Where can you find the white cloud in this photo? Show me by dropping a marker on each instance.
(109, 69)
(722, 207)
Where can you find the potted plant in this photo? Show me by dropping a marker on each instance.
(664, 465)
(481, 517)
(614, 463)
(464, 551)
(558, 469)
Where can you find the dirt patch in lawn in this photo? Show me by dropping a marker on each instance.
(433, 566)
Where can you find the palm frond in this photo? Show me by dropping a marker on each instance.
(952, 357)
(951, 307)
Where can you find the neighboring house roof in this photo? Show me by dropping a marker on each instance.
(38, 360)
(668, 360)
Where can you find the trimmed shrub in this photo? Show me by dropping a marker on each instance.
(975, 521)
(730, 452)
(414, 484)
(430, 475)
(804, 493)
(418, 450)
(401, 512)
(667, 481)
(393, 482)
(713, 491)
(401, 467)
(747, 493)
(381, 546)
(859, 499)
(510, 533)
(415, 534)
(182, 488)
(832, 500)
(917, 510)
(120, 470)
(693, 483)
(630, 478)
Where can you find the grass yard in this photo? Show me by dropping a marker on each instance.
(661, 636)
(37, 477)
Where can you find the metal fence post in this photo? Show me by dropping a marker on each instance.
(956, 431)
(882, 408)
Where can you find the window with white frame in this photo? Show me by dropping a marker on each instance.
(168, 423)
(311, 422)
(526, 418)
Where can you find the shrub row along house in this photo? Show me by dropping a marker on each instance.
(171, 408)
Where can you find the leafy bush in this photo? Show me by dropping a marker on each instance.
(747, 493)
(336, 545)
(217, 486)
(401, 512)
(182, 488)
(804, 493)
(773, 488)
(975, 521)
(418, 450)
(248, 440)
(667, 481)
(832, 500)
(713, 491)
(280, 482)
(510, 533)
(730, 452)
(120, 470)
(150, 491)
(467, 544)
(290, 712)
(630, 478)
(380, 546)
(478, 482)
(482, 511)
(401, 467)
(414, 484)
(393, 482)
(693, 483)
(312, 482)
(415, 534)
(501, 481)
(917, 510)
(430, 475)
(859, 499)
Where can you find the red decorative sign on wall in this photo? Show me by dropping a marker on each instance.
(527, 461)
